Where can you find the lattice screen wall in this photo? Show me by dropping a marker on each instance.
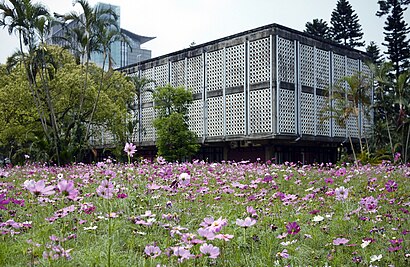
(366, 119)
(307, 65)
(178, 73)
(215, 67)
(161, 75)
(308, 114)
(196, 117)
(259, 61)
(339, 71)
(260, 111)
(235, 65)
(215, 116)
(195, 74)
(287, 117)
(322, 69)
(148, 131)
(286, 60)
(322, 126)
(235, 114)
(146, 95)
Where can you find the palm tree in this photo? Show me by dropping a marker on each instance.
(31, 22)
(350, 98)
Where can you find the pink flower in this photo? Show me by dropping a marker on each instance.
(224, 237)
(340, 241)
(67, 189)
(251, 210)
(130, 149)
(182, 253)
(210, 250)
(370, 203)
(39, 188)
(284, 254)
(105, 189)
(207, 233)
(152, 251)
(184, 179)
(341, 193)
(245, 223)
(293, 228)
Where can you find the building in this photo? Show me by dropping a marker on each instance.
(257, 94)
(122, 53)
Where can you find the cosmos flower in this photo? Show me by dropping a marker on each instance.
(130, 149)
(105, 189)
(391, 186)
(152, 251)
(340, 241)
(210, 250)
(293, 228)
(39, 188)
(341, 193)
(67, 189)
(245, 223)
(184, 179)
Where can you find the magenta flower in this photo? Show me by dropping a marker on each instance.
(39, 188)
(130, 149)
(245, 223)
(67, 189)
(370, 203)
(293, 228)
(105, 189)
(3, 201)
(152, 251)
(391, 186)
(340, 241)
(210, 250)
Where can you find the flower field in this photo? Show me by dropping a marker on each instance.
(204, 214)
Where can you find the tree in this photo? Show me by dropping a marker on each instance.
(350, 98)
(319, 28)
(20, 127)
(396, 30)
(174, 140)
(345, 27)
(374, 53)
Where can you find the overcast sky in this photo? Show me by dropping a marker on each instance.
(178, 23)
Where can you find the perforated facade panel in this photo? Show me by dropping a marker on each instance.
(215, 68)
(146, 95)
(322, 69)
(148, 132)
(338, 68)
(308, 115)
(178, 73)
(161, 75)
(195, 74)
(235, 65)
(215, 116)
(259, 61)
(307, 65)
(323, 123)
(235, 114)
(286, 60)
(196, 117)
(287, 116)
(260, 111)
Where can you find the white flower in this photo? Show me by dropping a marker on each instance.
(374, 258)
(318, 218)
(365, 243)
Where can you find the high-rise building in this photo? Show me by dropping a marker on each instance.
(122, 53)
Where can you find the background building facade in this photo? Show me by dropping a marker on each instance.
(122, 53)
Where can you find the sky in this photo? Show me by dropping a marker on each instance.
(178, 23)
